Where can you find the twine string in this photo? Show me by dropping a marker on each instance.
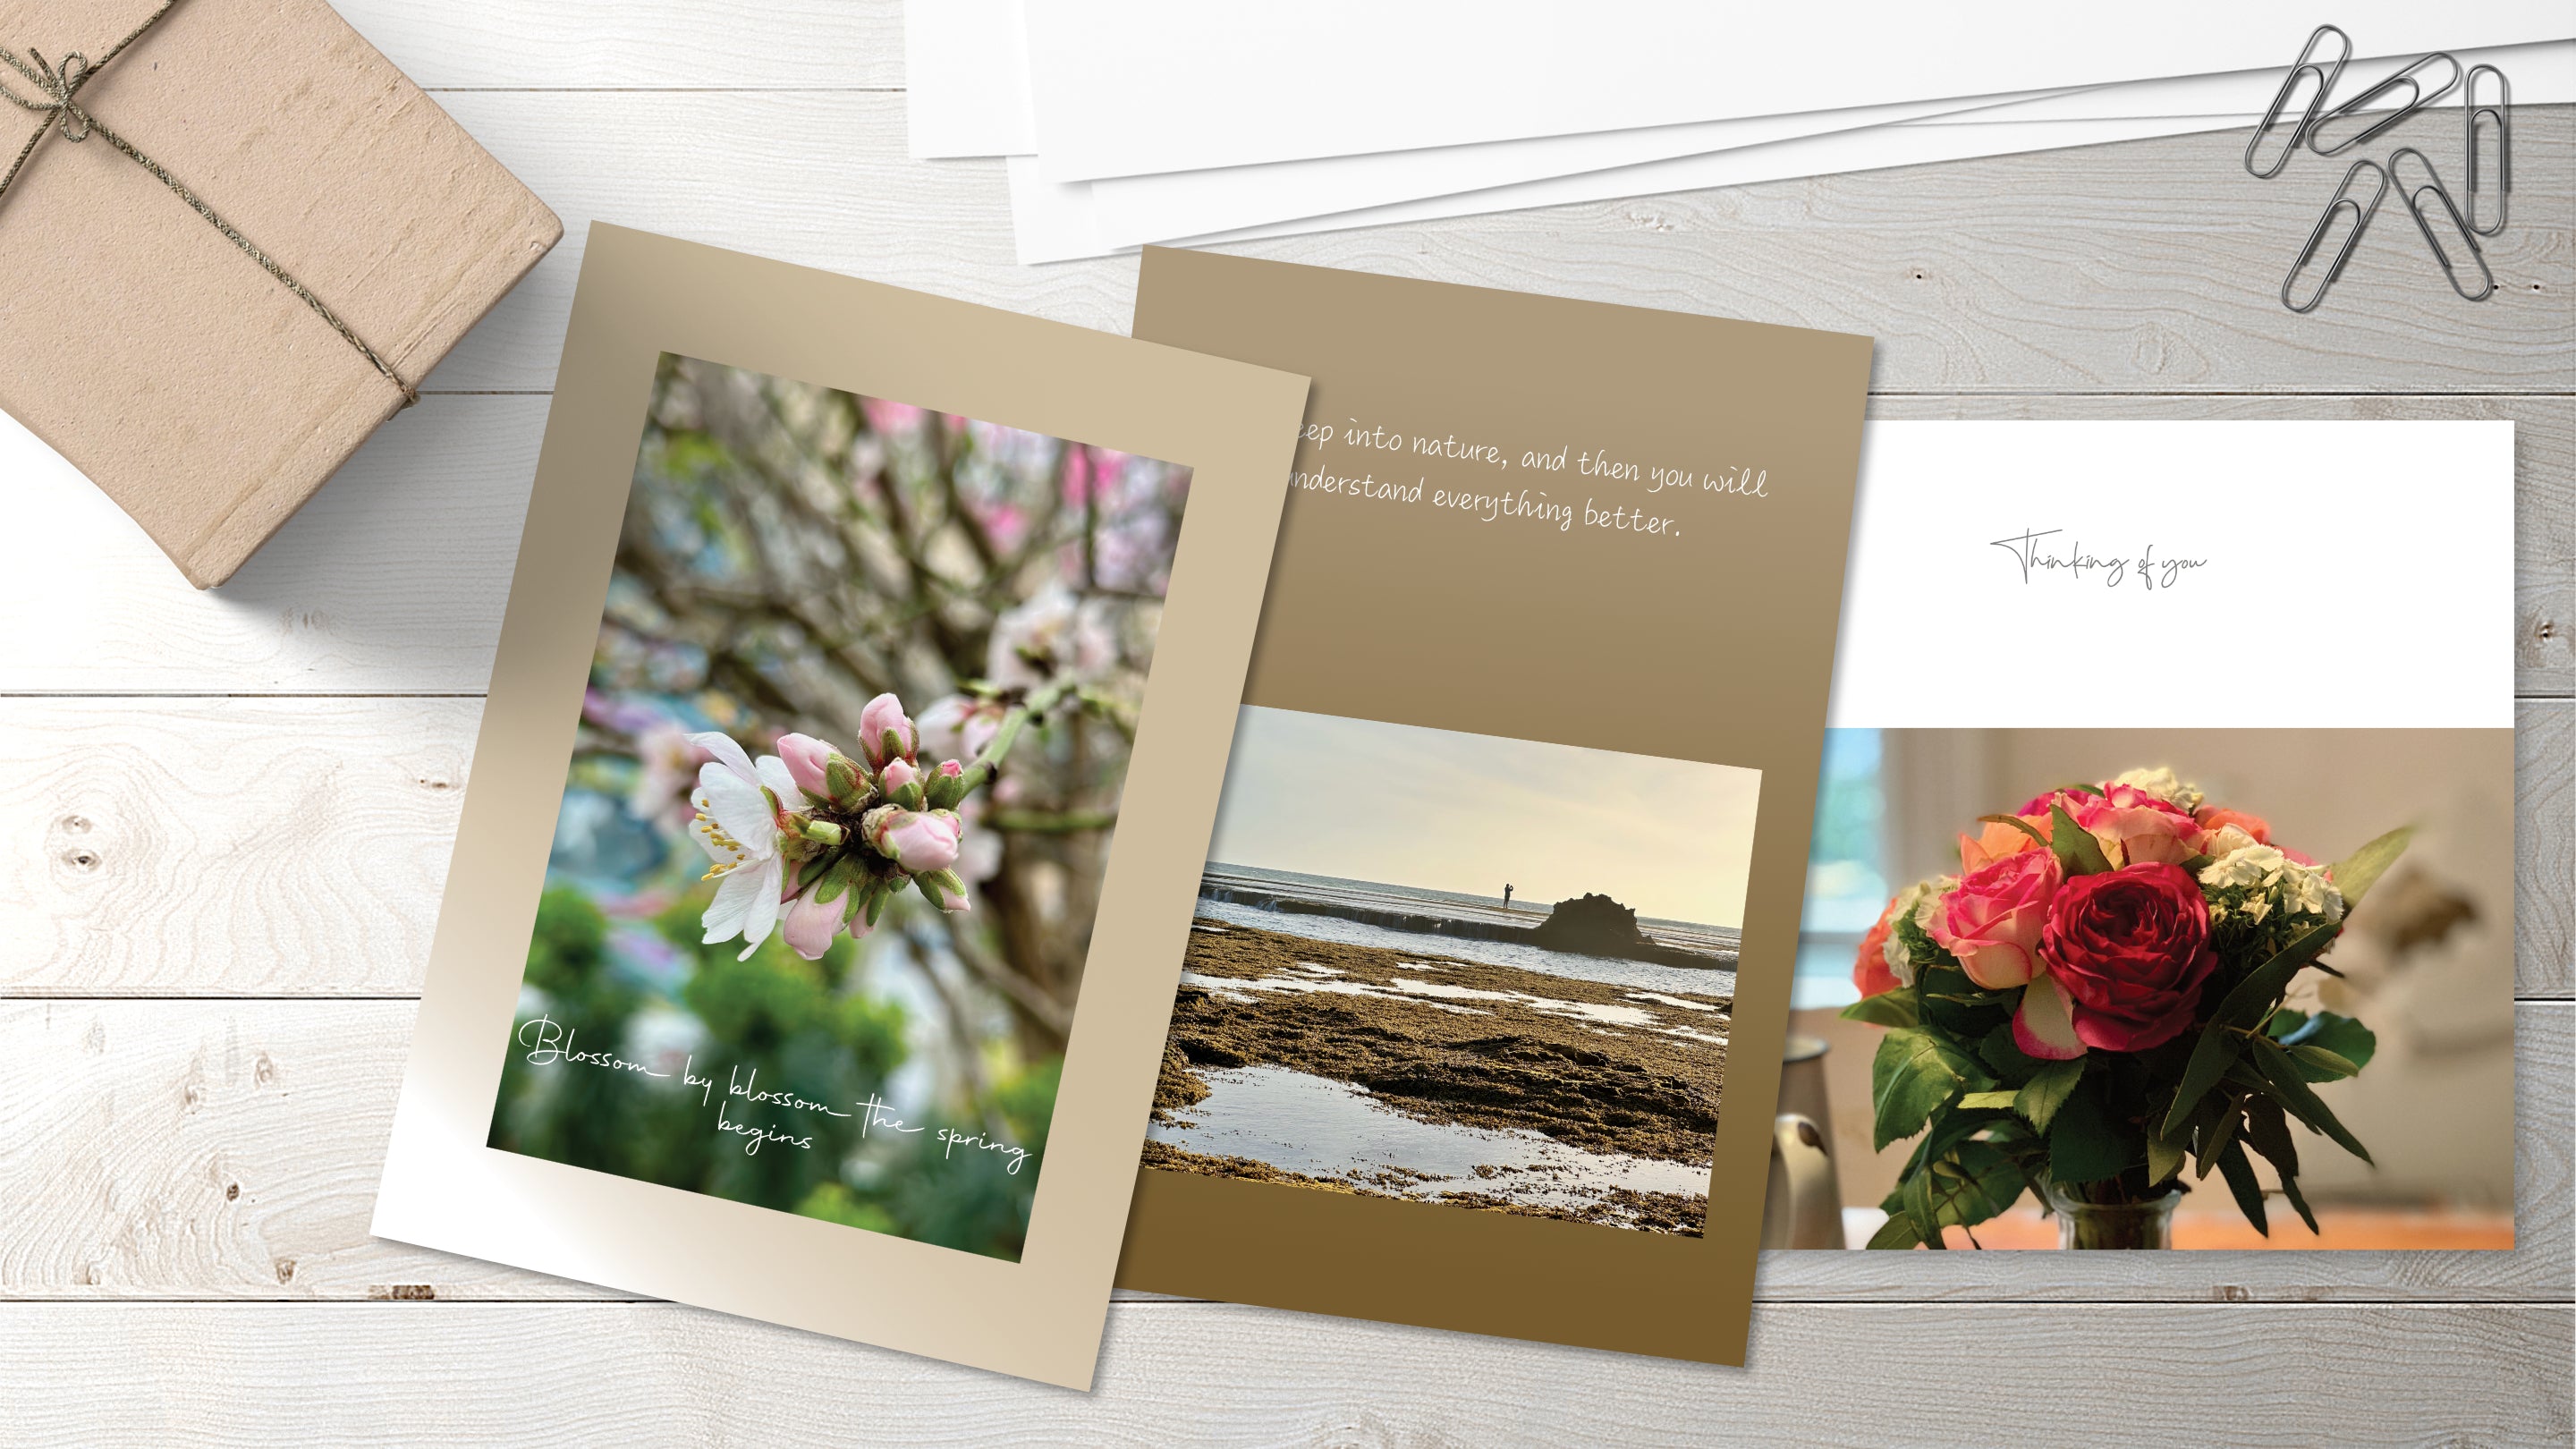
(58, 89)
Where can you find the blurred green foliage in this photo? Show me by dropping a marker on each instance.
(772, 1022)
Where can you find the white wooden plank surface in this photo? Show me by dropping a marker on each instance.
(215, 907)
(2145, 266)
(639, 44)
(229, 1150)
(2252, 1376)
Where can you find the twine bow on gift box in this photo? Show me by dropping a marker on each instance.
(58, 85)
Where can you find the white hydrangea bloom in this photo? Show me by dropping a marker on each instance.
(2305, 891)
(2162, 783)
(1915, 903)
(2275, 881)
(2251, 867)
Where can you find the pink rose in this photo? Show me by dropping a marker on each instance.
(883, 718)
(1992, 922)
(917, 840)
(2136, 828)
(807, 761)
(811, 925)
(2131, 949)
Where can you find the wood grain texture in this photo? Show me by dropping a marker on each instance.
(223, 847)
(637, 44)
(1214, 1374)
(2147, 266)
(391, 581)
(230, 1149)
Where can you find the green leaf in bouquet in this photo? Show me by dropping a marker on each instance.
(2267, 1130)
(2047, 1091)
(2164, 1160)
(2220, 1137)
(1974, 1183)
(2340, 1035)
(1913, 1073)
(2283, 1074)
(2299, 1200)
(1951, 1125)
(2239, 1173)
(2211, 1056)
(2012, 1065)
(1988, 1099)
(2084, 1144)
(1898, 1231)
(1888, 1008)
(1957, 1008)
(2316, 1064)
(2356, 873)
(1917, 1191)
(2254, 997)
(2076, 848)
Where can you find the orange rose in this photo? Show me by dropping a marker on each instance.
(1869, 968)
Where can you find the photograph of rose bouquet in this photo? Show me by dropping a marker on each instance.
(839, 807)
(2093, 1009)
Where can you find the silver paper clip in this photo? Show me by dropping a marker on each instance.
(2501, 114)
(2361, 216)
(2413, 197)
(2281, 99)
(2417, 99)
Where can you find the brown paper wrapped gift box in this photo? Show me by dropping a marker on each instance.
(158, 356)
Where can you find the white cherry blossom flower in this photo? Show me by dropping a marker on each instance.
(737, 826)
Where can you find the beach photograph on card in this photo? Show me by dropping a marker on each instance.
(1461, 969)
(839, 807)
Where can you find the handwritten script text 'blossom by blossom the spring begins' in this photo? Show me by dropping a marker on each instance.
(550, 1043)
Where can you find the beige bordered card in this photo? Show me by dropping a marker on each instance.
(852, 749)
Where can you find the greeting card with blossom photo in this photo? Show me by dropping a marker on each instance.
(856, 733)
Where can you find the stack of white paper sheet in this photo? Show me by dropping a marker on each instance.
(1131, 122)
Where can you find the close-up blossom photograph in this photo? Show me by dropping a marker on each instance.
(838, 807)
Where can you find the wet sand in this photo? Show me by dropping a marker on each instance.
(1603, 1068)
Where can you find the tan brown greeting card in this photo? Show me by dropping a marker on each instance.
(850, 757)
(1482, 1017)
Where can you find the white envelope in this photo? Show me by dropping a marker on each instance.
(1057, 222)
(1127, 87)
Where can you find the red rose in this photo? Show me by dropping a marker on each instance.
(2131, 949)
(1869, 968)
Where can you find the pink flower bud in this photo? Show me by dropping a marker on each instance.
(917, 840)
(950, 769)
(897, 774)
(883, 716)
(946, 888)
(811, 925)
(807, 761)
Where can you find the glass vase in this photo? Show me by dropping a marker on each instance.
(2082, 1224)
